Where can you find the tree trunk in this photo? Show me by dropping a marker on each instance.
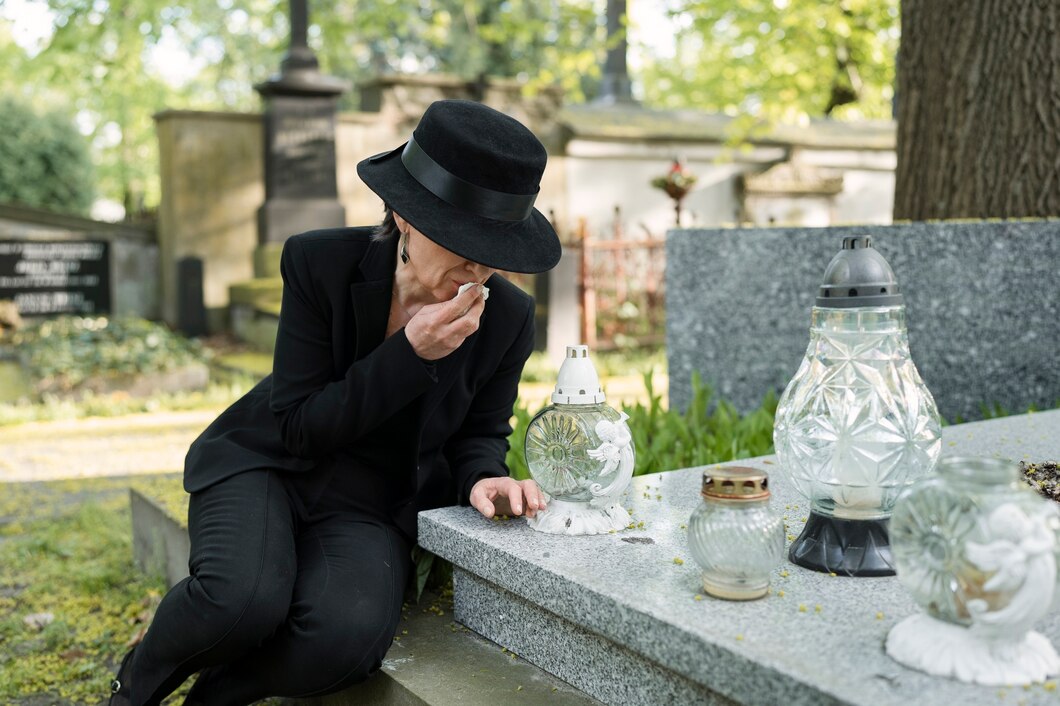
(978, 109)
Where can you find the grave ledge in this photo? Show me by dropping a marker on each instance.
(624, 614)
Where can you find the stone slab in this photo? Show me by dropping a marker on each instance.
(160, 542)
(621, 677)
(255, 325)
(634, 593)
(187, 378)
(433, 661)
(984, 321)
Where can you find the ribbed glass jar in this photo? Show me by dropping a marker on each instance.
(734, 535)
(976, 546)
(857, 425)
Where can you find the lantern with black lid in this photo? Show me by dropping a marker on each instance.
(856, 425)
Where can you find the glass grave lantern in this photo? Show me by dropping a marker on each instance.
(856, 425)
(580, 451)
(978, 550)
(734, 536)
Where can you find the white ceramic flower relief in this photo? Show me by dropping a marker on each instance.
(979, 553)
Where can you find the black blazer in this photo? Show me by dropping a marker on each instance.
(335, 379)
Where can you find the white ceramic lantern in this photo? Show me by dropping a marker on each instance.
(580, 451)
(856, 425)
(979, 551)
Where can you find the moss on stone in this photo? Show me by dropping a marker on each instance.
(167, 491)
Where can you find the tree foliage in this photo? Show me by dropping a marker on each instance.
(103, 64)
(779, 59)
(115, 63)
(44, 161)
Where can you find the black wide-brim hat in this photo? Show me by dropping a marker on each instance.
(468, 179)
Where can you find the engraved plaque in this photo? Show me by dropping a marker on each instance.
(56, 277)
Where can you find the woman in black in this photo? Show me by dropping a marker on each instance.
(391, 393)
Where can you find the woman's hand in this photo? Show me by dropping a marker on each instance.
(438, 329)
(506, 496)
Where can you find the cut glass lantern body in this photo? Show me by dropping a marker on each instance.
(856, 425)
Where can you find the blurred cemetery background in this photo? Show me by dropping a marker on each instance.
(132, 134)
(155, 155)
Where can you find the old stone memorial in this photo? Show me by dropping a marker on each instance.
(301, 191)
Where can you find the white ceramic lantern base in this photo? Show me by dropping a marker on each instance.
(946, 650)
(563, 517)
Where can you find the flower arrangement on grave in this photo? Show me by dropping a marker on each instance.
(580, 451)
(676, 183)
(856, 425)
(979, 552)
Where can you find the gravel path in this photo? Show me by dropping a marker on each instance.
(157, 443)
(100, 446)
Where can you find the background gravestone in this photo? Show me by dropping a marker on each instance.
(983, 308)
(301, 190)
(51, 277)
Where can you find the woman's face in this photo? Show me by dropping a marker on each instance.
(437, 270)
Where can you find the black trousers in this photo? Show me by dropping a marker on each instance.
(278, 603)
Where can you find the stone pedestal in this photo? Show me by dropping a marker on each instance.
(617, 615)
(301, 191)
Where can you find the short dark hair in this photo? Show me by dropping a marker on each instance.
(388, 228)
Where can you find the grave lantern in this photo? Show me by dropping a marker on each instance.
(580, 451)
(734, 536)
(856, 425)
(978, 550)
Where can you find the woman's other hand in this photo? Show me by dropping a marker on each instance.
(506, 496)
(438, 329)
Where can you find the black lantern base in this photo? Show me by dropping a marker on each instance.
(847, 547)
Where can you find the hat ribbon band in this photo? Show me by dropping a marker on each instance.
(497, 205)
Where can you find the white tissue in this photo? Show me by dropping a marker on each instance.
(467, 285)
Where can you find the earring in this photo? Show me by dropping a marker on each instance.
(404, 248)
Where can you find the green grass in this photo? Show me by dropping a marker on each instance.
(66, 549)
(73, 560)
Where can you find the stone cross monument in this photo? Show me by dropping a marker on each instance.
(300, 183)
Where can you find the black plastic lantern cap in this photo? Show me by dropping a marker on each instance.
(858, 276)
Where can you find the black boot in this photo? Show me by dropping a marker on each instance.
(119, 686)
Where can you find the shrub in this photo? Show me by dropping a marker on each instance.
(707, 432)
(44, 160)
(69, 349)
